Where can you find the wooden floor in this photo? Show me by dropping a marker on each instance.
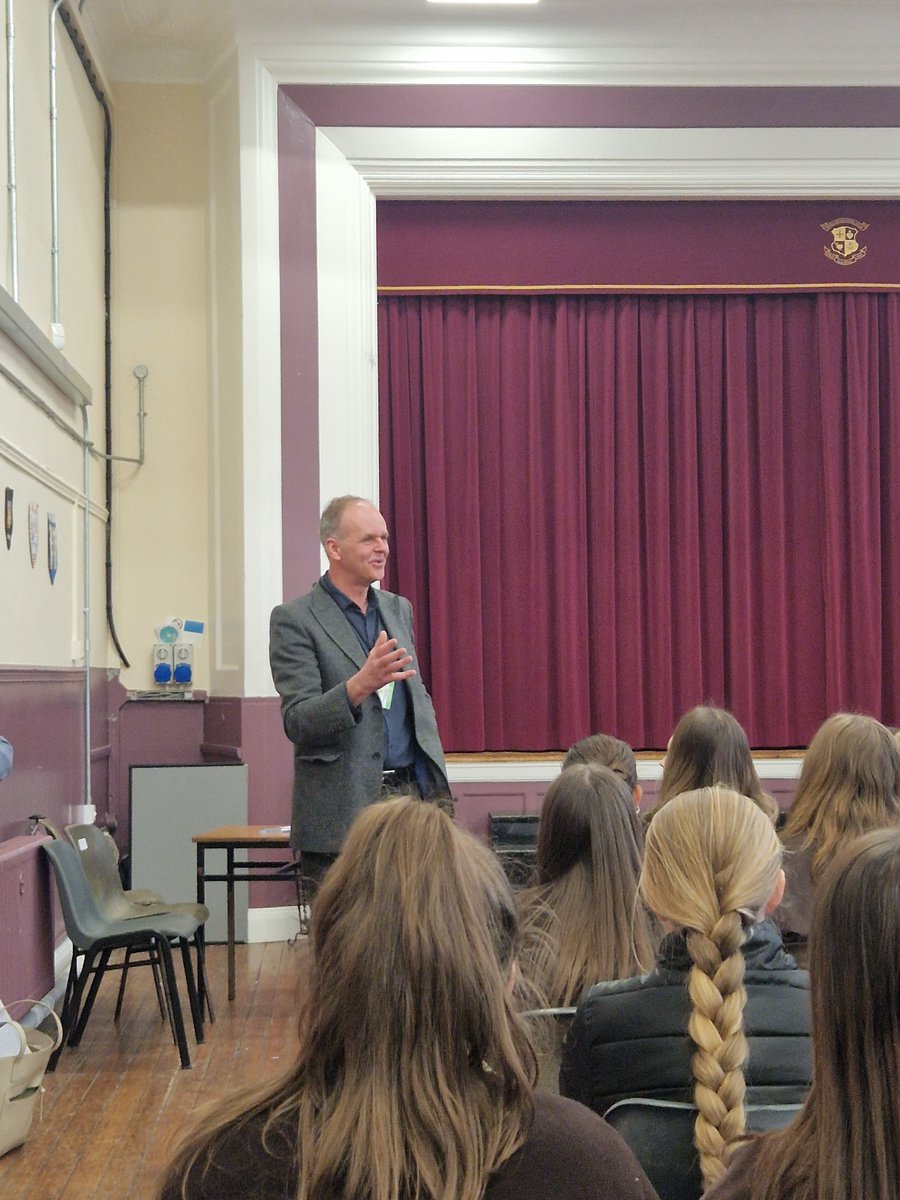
(116, 1103)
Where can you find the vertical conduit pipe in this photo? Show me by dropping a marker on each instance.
(91, 812)
(107, 297)
(11, 148)
(54, 188)
(86, 449)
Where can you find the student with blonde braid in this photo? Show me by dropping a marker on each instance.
(725, 1012)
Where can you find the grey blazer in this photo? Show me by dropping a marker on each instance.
(338, 754)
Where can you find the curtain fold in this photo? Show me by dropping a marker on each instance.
(607, 509)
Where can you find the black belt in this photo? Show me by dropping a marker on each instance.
(398, 776)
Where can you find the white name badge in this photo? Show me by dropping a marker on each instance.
(386, 694)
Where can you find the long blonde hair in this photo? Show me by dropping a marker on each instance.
(711, 864)
(582, 919)
(709, 747)
(414, 1075)
(849, 784)
(845, 1144)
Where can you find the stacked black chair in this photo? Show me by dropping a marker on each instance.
(95, 936)
(99, 859)
(513, 838)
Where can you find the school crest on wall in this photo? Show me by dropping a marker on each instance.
(845, 249)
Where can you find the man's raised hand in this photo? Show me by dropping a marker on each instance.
(386, 663)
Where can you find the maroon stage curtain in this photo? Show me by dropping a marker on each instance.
(608, 509)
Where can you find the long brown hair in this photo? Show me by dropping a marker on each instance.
(414, 1075)
(711, 865)
(849, 785)
(845, 1144)
(582, 919)
(709, 747)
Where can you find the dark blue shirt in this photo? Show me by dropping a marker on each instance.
(399, 736)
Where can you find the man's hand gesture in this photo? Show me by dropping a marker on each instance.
(386, 663)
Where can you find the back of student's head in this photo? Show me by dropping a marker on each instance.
(855, 973)
(414, 902)
(711, 865)
(849, 784)
(414, 1074)
(585, 881)
(845, 1144)
(413, 937)
(608, 751)
(709, 747)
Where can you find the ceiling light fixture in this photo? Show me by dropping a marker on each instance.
(482, 1)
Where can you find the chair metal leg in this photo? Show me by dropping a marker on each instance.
(122, 981)
(202, 980)
(193, 997)
(171, 990)
(84, 1009)
(302, 901)
(66, 1018)
(157, 983)
(155, 960)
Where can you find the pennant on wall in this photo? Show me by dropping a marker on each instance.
(33, 534)
(8, 516)
(52, 547)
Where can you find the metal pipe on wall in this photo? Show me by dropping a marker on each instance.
(54, 184)
(58, 337)
(91, 76)
(11, 149)
(90, 809)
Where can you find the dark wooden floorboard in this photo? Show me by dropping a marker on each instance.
(116, 1104)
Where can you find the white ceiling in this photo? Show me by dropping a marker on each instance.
(741, 42)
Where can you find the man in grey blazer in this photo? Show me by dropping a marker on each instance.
(352, 701)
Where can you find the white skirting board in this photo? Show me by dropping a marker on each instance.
(272, 924)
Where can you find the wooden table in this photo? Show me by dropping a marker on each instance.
(242, 837)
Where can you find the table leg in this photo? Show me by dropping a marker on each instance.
(229, 883)
(201, 899)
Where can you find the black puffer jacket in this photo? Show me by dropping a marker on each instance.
(629, 1037)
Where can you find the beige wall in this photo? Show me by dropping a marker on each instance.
(177, 544)
(161, 320)
(42, 624)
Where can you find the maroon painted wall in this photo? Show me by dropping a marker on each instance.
(27, 929)
(586, 246)
(559, 107)
(299, 348)
(250, 731)
(149, 733)
(42, 715)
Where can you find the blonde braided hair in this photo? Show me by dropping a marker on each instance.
(712, 859)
